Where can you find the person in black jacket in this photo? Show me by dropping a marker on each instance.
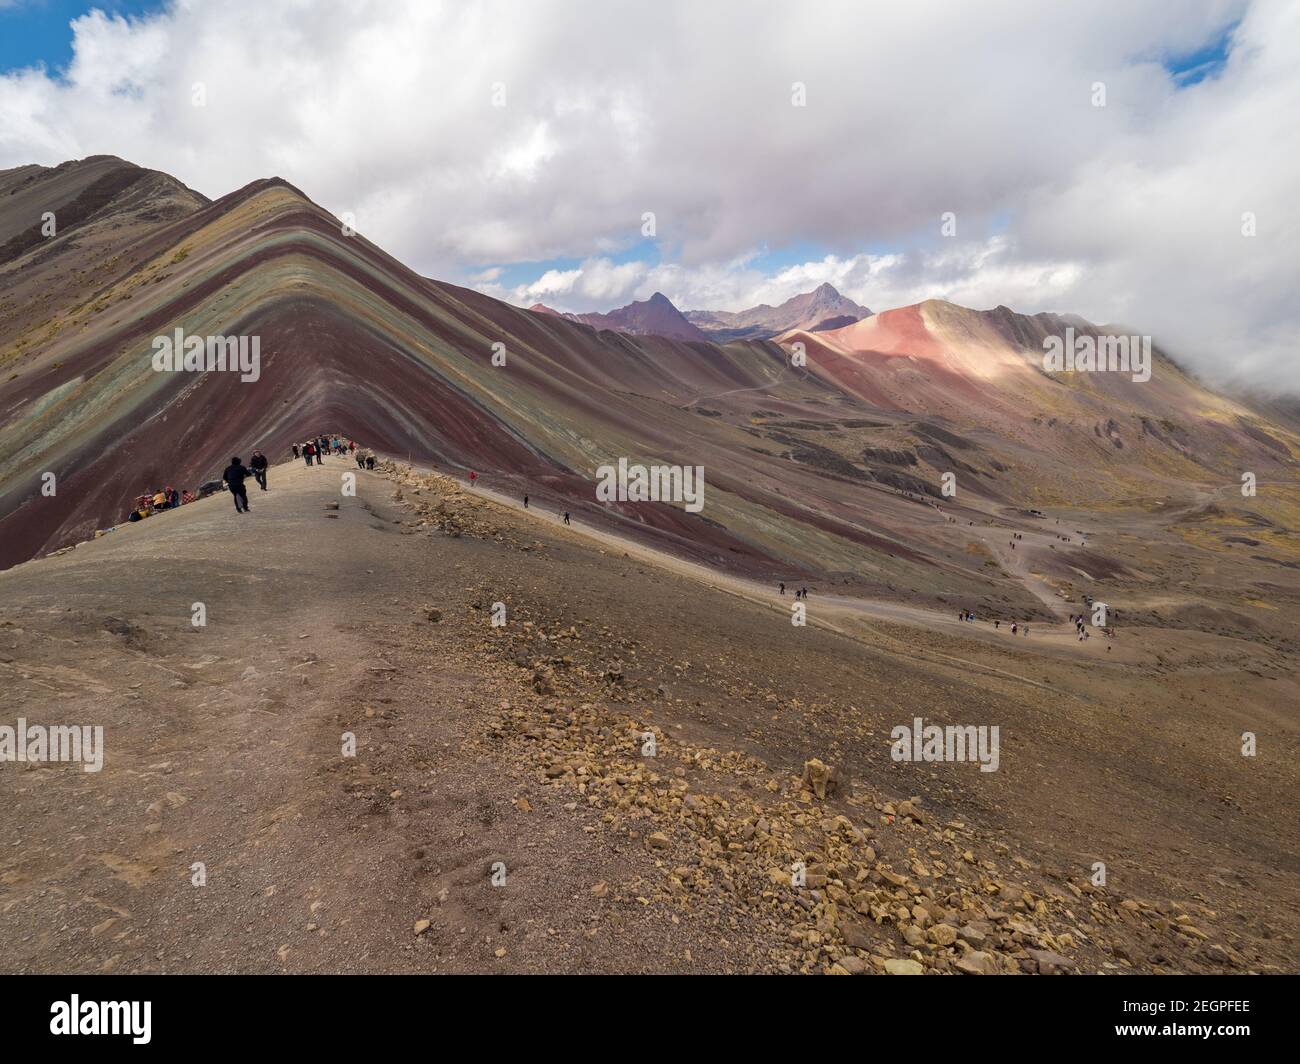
(234, 477)
(258, 465)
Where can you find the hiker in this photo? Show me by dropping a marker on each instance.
(361, 462)
(322, 449)
(566, 517)
(295, 452)
(997, 625)
(525, 502)
(1013, 628)
(370, 461)
(159, 501)
(352, 445)
(308, 451)
(803, 592)
(234, 478)
(258, 465)
(474, 476)
(783, 588)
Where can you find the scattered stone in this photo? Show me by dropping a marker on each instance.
(822, 779)
(943, 934)
(853, 965)
(977, 962)
(854, 933)
(544, 680)
(1217, 954)
(1049, 962)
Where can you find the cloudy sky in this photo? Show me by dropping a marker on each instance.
(1101, 158)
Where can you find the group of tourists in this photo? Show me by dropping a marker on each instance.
(150, 503)
(235, 475)
(313, 451)
(968, 617)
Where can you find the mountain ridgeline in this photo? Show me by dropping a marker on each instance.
(828, 464)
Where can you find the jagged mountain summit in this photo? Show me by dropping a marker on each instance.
(656, 316)
(822, 308)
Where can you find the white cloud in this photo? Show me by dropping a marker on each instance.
(1128, 212)
(980, 274)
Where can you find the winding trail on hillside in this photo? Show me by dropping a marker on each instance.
(843, 614)
(739, 391)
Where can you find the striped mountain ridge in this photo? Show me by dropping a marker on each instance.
(352, 340)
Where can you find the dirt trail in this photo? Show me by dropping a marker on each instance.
(844, 614)
(479, 747)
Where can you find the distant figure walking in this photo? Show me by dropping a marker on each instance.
(472, 477)
(258, 465)
(783, 589)
(361, 462)
(308, 451)
(370, 461)
(525, 502)
(295, 451)
(234, 477)
(566, 517)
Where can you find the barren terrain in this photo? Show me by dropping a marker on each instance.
(521, 750)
